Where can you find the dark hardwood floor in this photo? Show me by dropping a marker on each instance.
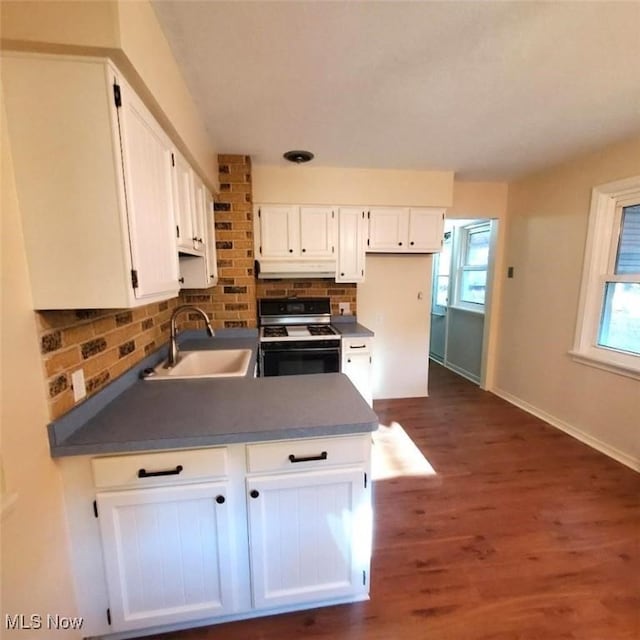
(522, 534)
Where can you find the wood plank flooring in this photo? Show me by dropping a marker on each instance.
(522, 534)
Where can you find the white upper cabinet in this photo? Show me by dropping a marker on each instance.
(278, 232)
(201, 271)
(405, 230)
(426, 229)
(352, 240)
(316, 232)
(94, 181)
(290, 231)
(183, 203)
(388, 229)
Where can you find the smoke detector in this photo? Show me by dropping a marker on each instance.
(298, 156)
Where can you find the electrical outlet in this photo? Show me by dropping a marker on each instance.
(78, 386)
(344, 308)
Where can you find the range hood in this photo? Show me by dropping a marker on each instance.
(303, 268)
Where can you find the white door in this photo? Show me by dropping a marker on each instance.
(146, 156)
(388, 229)
(166, 554)
(304, 531)
(279, 232)
(316, 232)
(352, 231)
(426, 228)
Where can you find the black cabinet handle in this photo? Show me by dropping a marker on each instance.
(342, 275)
(143, 473)
(254, 493)
(357, 346)
(412, 243)
(399, 244)
(322, 456)
(290, 250)
(304, 251)
(220, 499)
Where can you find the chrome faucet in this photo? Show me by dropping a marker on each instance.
(172, 357)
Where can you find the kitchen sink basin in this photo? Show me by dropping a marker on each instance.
(214, 363)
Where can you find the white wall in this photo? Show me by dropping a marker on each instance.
(35, 573)
(389, 303)
(547, 228)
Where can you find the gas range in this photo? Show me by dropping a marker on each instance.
(281, 332)
(296, 337)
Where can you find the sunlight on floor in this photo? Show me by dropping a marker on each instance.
(395, 454)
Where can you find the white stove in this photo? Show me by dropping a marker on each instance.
(296, 337)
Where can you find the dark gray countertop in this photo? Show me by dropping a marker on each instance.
(195, 413)
(349, 327)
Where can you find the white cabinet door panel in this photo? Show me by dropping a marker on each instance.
(279, 231)
(388, 229)
(166, 554)
(426, 228)
(146, 153)
(316, 232)
(352, 232)
(304, 530)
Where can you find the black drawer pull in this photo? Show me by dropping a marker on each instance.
(357, 346)
(322, 456)
(143, 473)
(220, 499)
(254, 493)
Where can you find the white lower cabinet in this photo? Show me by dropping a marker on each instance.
(184, 537)
(357, 354)
(304, 530)
(165, 554)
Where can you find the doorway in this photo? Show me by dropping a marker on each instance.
(461, 297)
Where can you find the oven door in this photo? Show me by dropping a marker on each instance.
(299, 358)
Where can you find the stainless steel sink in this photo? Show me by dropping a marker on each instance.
(214, 363)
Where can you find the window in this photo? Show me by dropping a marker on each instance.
(608, 329)
(472, 271)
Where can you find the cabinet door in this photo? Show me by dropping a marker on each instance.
(352, 232)
(183, 203)
(279, 232)
(146, 155)
(210, 249)
(426, 227)
(166, 554)
(356, 364)
(199, 214)
(316, 232)
(388, 229)
(309, 536)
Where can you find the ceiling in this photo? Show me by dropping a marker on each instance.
(490, 90)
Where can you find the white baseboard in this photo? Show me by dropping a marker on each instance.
(578, 434)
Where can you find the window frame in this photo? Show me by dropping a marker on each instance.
(603, 234)
(462, 267)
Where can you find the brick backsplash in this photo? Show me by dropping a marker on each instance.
(104, 343)
(107, 343)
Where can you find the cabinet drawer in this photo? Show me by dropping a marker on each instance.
(294, 455)
(166, 467)
(356, 345)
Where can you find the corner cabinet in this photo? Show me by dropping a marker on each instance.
(94, 180)
(216, 534)
(405, 229)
